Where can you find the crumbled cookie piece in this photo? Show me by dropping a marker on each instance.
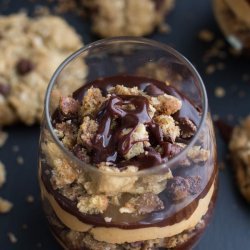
(240, 153)
(30, 199)
(3, 137)
(62, 173)
(67, 132)
(122, 90)
(109, 183)
(20, 160)
(143, 204)
(73, 191)
(178, 188)
(166, 104)
(94, 204)
(154, 183)
(5, 206)
(87, 131)
(219, 92)
(187, 127)
(168, 127)
(198, 154)
(69, 106)
(139, 138)
(2, 174)
(194, 184)
(92, 101)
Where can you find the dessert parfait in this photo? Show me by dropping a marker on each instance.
(127, 161)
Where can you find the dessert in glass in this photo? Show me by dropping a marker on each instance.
(128, 153)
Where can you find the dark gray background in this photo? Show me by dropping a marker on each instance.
(230, 227)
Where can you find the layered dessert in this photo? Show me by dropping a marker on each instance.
(128, 166)
(234, 20)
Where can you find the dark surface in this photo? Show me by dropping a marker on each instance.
(230, 228)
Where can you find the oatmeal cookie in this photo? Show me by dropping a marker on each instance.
(30, 51)
(127, 17)
(240, 152)
(234, 20)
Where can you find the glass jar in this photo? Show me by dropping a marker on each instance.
(186, 183)
(234, 21)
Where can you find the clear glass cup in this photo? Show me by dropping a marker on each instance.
(64, 178)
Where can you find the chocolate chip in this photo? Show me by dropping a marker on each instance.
(4, 89)
(24, 66)
(194, 184)
(187, 127)
(69, 106)
(158, 4)
(170, 150)
(177, 188)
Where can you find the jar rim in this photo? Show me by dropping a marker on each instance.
(134, 40)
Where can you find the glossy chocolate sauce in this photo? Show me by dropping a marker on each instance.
(109, 145)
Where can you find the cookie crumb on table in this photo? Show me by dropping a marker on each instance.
(219, 92)
(30, 199)
(20, 160)
(3, 138)
(5, 206)
(12, 238)
(206, 35)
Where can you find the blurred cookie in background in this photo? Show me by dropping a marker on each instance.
(240, 153)
(233, 17)
(127, 17)
(30, 50)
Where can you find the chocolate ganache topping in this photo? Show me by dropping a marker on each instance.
(110, 144)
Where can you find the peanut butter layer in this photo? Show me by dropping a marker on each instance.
(118, 235)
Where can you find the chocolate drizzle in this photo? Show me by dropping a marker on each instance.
(112, 144)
